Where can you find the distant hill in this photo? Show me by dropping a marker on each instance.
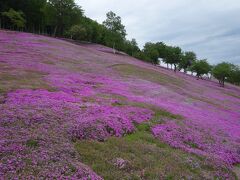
(78, 110)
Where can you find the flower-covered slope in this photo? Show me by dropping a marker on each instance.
(53, 92)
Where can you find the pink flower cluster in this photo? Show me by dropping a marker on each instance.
(86, 82)
(100, 122)
(32, 138)
(199, 141)
(52, 119)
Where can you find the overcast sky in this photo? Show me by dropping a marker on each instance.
(211, 28)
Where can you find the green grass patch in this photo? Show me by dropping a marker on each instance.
(148, 160)
(32, 143)
(12, 79)
(143, 134)
(147, 74)
(148, 157)
(144, 127)
(205, 100)
(193, 145)
(231, 94)
(123, 101)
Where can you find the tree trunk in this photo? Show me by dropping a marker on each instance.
(114, 51)
(221, 82)
(175, 68)
(167, 65)
(55, 31)
(39, 29)
(33, 29)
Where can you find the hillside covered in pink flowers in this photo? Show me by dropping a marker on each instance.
(72, 111)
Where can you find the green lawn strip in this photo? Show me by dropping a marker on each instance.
(147, 158)
(12, 79)
(147, 74)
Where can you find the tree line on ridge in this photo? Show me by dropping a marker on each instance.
(64, 18)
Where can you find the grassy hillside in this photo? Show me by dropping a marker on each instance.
(80, 111)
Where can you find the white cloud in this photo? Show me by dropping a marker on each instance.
(209, 27)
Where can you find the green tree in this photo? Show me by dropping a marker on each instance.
(173, 56)
(62, 14)
(222, 71)
(161, 47)
(95, 32)
(114, 24)
(15, 18)
(4, 5)
(151, 51)
(32, 9)
(114, 34)
(142, 56)
(77, 32)
(234, 77)
(114, 40)
(188, 58)
(201, 67)
(131, 47)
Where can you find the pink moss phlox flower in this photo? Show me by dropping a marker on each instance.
(195, 140)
